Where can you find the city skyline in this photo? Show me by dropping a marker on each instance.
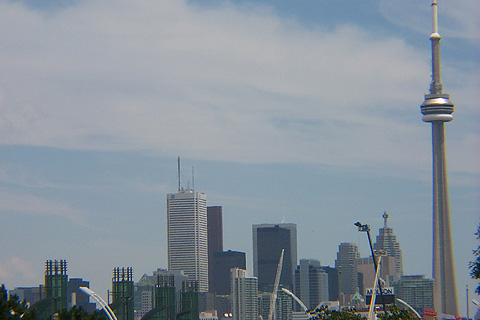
(305, 112)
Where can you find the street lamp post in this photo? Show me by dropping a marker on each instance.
(366, 228)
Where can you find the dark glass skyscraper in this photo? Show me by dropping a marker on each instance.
(268, 242)
(215, 241)
(222, 262)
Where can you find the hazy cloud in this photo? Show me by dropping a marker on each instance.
(12, 203)
(16, 270)
(227, 83)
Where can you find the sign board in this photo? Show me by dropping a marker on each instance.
(385, 291)
(388, 295)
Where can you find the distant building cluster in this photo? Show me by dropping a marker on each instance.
(204, 281)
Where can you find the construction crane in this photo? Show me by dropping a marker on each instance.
(275, 287)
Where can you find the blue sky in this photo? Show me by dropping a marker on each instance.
(302, 111)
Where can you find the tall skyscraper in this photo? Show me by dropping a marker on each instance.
(311, 283)
(215, 241)
(268, 242)
(187, 235)
(333, 285)
(437, 109)
(387, 242)
(346, 263)
(244, 295)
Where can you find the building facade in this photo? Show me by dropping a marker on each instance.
(187, 235)
(222, 262)
(30, 295)
(283, 305)
(78, 298)
(333, 284)
(243, 295)
(346, 263)
(56, 279)
(366, 267)
(122, 293)
(268, 242)
(215, 241)
(415, 290)
(149, 288)
(311, 283)
(387, 241)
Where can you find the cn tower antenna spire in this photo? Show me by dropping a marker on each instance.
(436, 86)
(437, 109)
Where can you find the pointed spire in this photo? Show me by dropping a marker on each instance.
(436, 86)
(385, 219)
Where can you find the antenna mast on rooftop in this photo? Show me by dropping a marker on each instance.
(178, 168)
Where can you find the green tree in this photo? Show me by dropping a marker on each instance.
(475, 265)
(79, 314)
(395, 313)
(324, 313)
(12, 309)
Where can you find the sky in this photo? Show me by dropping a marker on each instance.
(300, 111)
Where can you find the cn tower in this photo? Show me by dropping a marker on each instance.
(437, 109)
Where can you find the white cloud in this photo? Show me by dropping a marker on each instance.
(17, 270)
(229, 83)
(455, 18)
(13, 203)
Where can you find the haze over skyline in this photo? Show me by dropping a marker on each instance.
(303, 111)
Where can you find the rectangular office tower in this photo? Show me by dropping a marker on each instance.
(187, 235)
(122, 293)
(56, 279)
(311, 283)
(215, 241)
(268, 242)
(243, 295)
(222, 263)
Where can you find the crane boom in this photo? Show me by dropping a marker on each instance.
(275, 286)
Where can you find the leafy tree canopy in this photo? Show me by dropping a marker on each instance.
(12, 309)
(395, 313)
(475, 265)
(79, 314)
(324, 313)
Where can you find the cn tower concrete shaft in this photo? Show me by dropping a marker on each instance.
(443, 260)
